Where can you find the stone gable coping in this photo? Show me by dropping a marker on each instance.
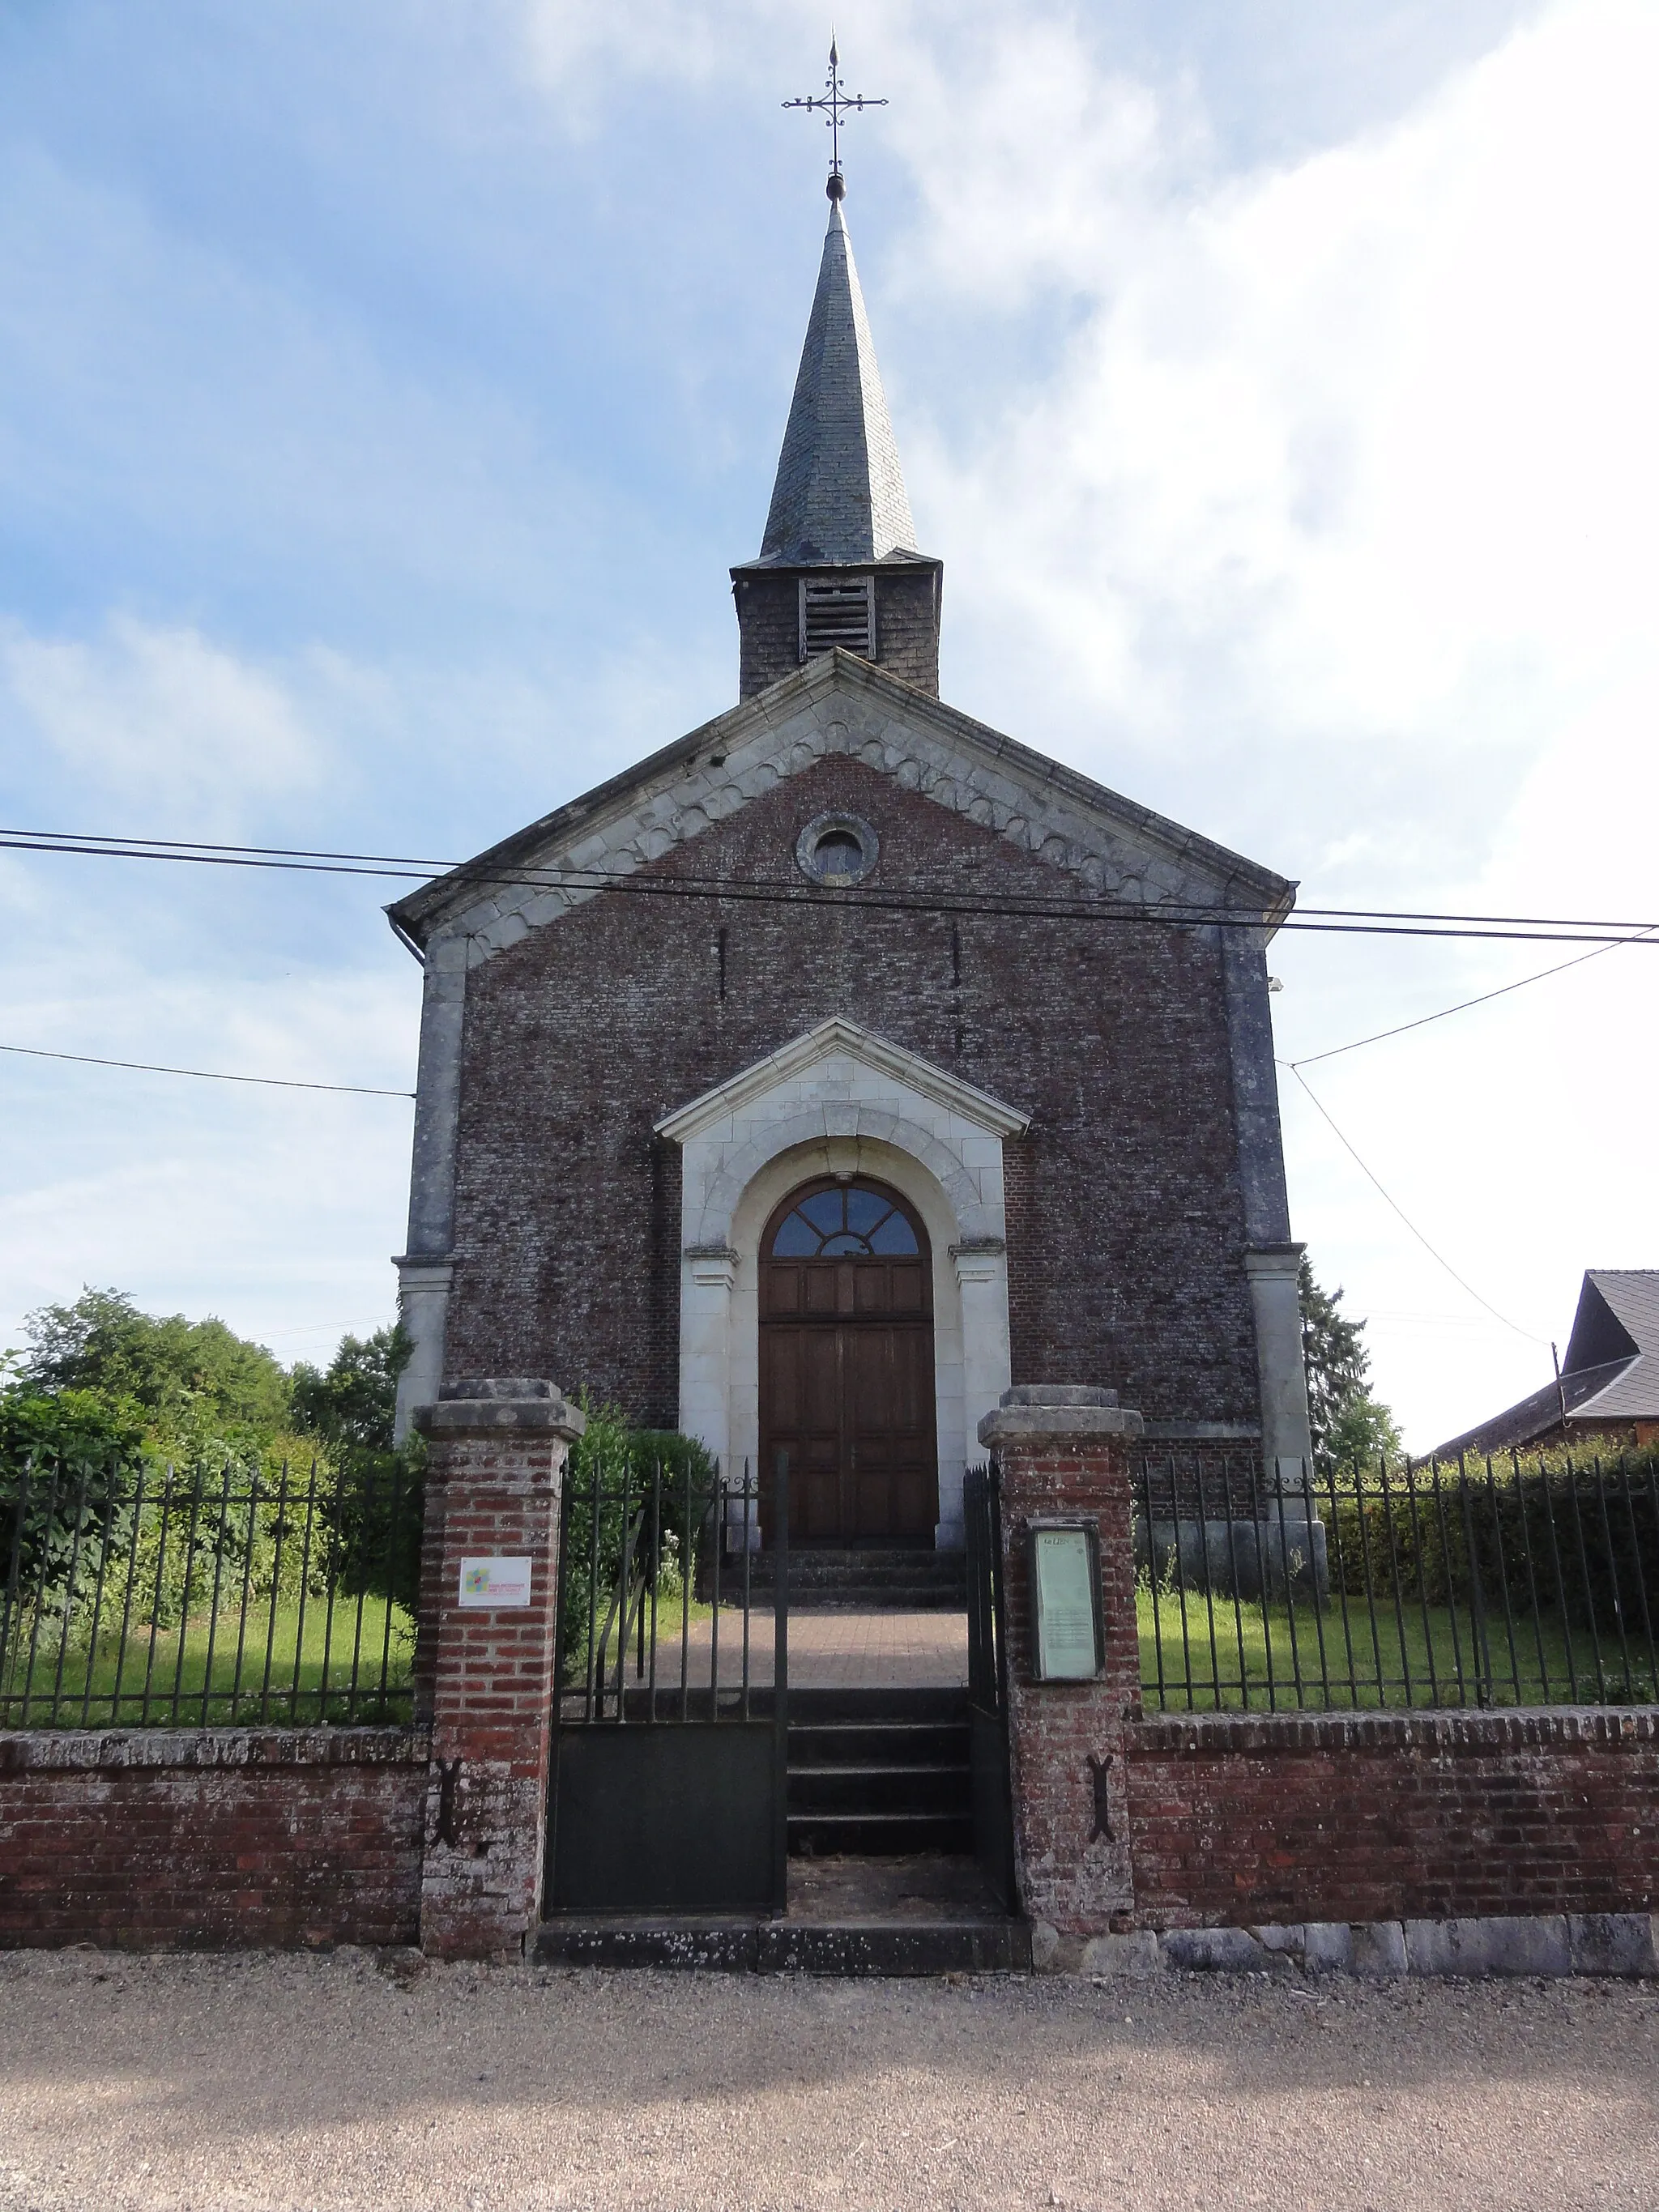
(838, 704)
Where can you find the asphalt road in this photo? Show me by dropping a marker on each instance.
(314, 2083)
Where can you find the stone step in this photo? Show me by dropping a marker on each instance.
(873, 1834)
(738, 1945)
(879, 1742)
(931, 1788)
(864, 1579)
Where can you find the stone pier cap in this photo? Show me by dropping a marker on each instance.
(517, 1402)
(1061, 1414)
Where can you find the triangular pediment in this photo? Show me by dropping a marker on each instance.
(838, 1039)
(838, 704)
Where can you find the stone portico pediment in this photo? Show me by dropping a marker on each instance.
(841, 1082)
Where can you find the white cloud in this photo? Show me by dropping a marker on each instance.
(1372, 435)
(172, 732)
(1328, 526)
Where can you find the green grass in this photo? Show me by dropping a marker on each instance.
(280, 1674)
(1252, 1659)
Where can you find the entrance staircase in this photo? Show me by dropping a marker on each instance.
(879, 1772)
(866, 1580)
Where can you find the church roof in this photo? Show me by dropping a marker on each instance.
(1111, 847)
(839, 499)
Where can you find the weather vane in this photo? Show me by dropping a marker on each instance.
(836, 103)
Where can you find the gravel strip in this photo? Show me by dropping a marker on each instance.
(304, 2084)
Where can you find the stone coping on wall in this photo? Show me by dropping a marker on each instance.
(1517, 1728)
(45, 1750)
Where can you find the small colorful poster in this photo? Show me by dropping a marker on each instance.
(493, 1583)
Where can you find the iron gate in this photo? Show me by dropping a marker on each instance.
(669, 1767)
(987, 1680)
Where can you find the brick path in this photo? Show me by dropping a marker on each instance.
(828, 1651)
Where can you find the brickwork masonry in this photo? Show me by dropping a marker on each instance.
(1126, 1226)
(209, 1839)
(1395, 1817)
(494, 1470)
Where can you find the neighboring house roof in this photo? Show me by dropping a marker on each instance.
(839, 498)
(1610, 1374)
(837, 704)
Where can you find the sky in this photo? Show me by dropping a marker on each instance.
(385, 392)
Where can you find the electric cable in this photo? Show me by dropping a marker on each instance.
(1439, 1257)
(1312, 1059)
(1374, 922)
(206, 1074)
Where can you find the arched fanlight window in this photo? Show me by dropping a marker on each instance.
(850, 1220)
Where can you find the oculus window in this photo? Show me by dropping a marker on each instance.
(837, 850)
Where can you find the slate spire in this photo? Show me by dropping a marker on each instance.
(840, 499)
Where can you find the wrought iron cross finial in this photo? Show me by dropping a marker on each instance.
(836, 103)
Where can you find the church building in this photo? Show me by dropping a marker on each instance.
(846, 1061)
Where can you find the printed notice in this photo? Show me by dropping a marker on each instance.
(494, 1582)
(1068, 1625)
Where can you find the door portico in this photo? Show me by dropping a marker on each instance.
(840, 1103)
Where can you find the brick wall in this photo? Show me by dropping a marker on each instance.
(1126, 1225)
(1393, 1816)
(156, 1839)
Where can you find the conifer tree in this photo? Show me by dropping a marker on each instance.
(1351, 1425)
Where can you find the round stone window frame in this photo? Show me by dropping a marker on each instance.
(852, 825)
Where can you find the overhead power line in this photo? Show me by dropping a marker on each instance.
(1439, 1258)
(206, 1074)
(1338, 921)
(1312, 1059)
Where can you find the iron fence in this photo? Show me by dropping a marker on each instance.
(151, 1597)
(656, 1587)
(1487, 1582)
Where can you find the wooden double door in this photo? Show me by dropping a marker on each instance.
(847, 1366)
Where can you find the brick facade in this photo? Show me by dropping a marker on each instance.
(153, 1840)
(1393, 1816)
(1126, 1221)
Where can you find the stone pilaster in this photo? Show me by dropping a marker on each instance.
(495, 1471)
(1064, 1454)
(1273, 1271)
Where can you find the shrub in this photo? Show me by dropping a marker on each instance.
(614, 1503)
(1554, 1534)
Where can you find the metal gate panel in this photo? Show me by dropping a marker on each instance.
(667, 1791)
(666, 1818)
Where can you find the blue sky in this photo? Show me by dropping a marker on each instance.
(385, 392)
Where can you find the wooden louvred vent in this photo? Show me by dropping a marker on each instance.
(838, 610)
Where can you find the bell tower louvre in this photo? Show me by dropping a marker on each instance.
(838, 564)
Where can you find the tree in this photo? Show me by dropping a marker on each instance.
(68, 1466)
(1349, 1423)
(351, 1405)
(374, 1505)
(181, 1379)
